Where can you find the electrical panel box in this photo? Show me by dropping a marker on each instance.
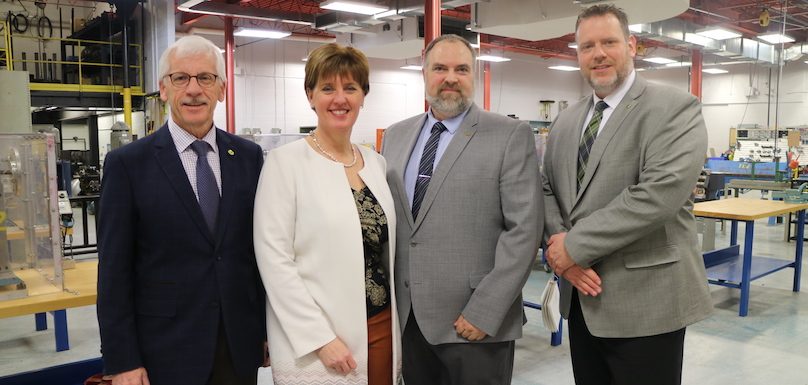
(15, 102)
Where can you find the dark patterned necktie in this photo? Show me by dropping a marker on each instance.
(425, 167)
(588, 138)
(206, 186)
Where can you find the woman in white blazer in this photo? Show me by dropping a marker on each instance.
(324, 241)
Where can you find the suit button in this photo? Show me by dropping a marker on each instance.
(218, 258)
(413, 244)
(406, 283)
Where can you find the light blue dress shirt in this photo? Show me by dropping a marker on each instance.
(411, 172)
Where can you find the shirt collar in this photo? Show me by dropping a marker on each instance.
(452, 124)
(183, 139)
(616, 97)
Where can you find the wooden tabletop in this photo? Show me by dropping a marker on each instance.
(744, 209)
(80, 290)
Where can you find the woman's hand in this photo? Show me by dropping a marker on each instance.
(336, 356)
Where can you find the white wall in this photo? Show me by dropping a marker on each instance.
(269, 91)
(725, 100)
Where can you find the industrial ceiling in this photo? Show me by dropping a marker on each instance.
(537, 27)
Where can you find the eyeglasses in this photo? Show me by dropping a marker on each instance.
(181, 79)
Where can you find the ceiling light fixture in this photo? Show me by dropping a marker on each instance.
(679, 64)
(573, 45)
(353, 7)
(698, 39)
(412, 67)
(564, 68)
(714, 71)
(636, 28)
(659, 60)
(493, 58)
(776, 38)
(262, 33)
(717, 33)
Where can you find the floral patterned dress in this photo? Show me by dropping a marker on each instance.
(374, 238)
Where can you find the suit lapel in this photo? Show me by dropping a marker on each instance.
(169, 161)
(403, 159)
(228, 162)
(573, 141)
(608, 132)
(461, 138)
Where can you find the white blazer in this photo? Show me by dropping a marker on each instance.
(308, 245)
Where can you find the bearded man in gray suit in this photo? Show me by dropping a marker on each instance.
(467, 190)
(619, 171)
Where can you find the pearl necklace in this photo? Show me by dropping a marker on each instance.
(328, 154)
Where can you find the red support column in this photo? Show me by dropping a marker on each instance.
(696, 65)
(230, 98)
(487, 86)
(431, 27)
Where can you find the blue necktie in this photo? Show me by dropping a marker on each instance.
(425, 167)
(206, 186)
(588, 139)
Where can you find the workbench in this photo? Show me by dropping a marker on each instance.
(728, 267)
(80, 290)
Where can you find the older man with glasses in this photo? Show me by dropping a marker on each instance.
(179, 295)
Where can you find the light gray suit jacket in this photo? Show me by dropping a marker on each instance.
(478, 229)
(632, 219)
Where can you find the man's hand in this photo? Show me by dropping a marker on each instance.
(557, 255)
(336, 356)
(133, 377)
(468, 331)
(586, 280)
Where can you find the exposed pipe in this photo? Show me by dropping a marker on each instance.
(432, 27)
(230, 101)
(696, 60)
(487, 86)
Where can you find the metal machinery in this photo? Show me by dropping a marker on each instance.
(29, 227)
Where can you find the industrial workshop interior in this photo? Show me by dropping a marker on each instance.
(80, 78)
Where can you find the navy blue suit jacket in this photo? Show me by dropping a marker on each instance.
(164, 281)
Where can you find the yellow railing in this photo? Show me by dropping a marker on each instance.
(7, 47)
(102, 72)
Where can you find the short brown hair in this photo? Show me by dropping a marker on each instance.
(603, 10)
(448, 37)
(335, 60)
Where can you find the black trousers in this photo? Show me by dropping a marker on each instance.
(623, 361)
(224, 373)
(454, 364)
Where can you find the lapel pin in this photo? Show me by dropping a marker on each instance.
(231, 152)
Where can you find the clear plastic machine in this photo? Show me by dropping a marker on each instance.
(30, 237)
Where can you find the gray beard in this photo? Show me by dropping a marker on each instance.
(448, 107)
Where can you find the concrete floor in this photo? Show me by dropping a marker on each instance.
(766, 347)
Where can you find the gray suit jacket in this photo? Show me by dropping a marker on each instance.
(478, 229)
(632, 219)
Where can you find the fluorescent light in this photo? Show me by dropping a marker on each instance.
(263, 33)
(473, 45)
(776, 38)
(659, 60)
(639, 69)
(718, 33)
(221, 50)
(698, 39)
(573, 45)
(806, 62)
(714, 71)
(496, 59)
(636, 28)
(564, 68)
(411, 67)
(353, 7)
(679, 64)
